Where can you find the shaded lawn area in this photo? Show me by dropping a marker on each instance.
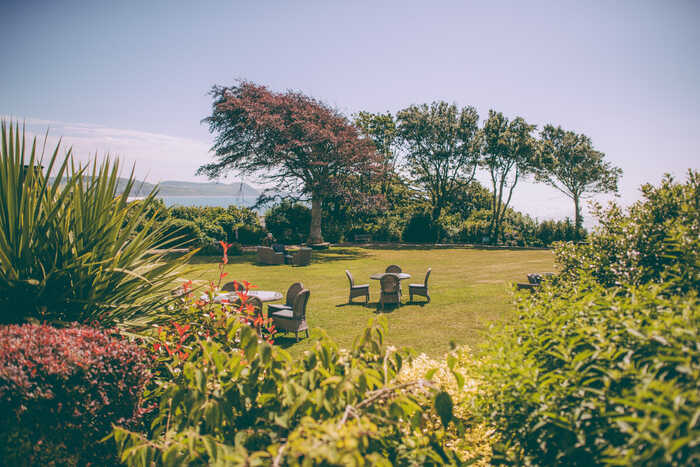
(469, 289)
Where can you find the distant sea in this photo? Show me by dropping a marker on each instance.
(218, 201)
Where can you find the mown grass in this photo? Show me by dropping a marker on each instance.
(470, 288)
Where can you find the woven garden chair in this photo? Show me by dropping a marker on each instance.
(420, 289)
(231, 287)
(390, 290)
(292, 292)
(394, 269)
(293, 320)
(361, 290)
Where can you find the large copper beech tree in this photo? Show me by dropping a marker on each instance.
(303, 147)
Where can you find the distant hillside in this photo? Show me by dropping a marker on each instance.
(175, 188)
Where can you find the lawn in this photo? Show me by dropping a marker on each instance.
(470, 288)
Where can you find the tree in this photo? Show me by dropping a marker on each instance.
(509, 153)
(381, 129)
(442, 148)
(569, 163)
(305, 148)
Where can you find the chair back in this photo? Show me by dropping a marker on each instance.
(302, 257)
(231, 286)
(352, 281)
(394, 269)
(427, 275)
(257, 305)
(300, 302)
(292, 292)
(389, 284)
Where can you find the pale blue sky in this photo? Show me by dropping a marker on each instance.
(132, 77)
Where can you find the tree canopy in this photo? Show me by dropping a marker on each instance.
(569, 163)
(442, 148)
(307, 149)
(509, 152)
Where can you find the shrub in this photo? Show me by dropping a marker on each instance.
(590, 376)
(73, 248)
(421, 229)
(250, 235)
(657, 239)
(211, 247)
(477, 227)
(181, 232)
(213, 230)
(256, 405)
(603, 364)
(62, 389)
(289, 223)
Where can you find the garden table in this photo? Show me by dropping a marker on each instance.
(401, 275)
(263, 295)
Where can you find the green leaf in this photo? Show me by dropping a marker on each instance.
(443, 406)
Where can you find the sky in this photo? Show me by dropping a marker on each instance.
(131, 78)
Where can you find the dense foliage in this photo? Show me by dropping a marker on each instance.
(603, 364)
(301, 145)
(73, 248)
(62, 389)
(250, 403)
(289, 223)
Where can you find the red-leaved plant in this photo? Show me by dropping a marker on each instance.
(208, 317)
(62, 389)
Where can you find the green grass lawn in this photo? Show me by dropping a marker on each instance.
(469, 288)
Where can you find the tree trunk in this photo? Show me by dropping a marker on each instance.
(578, 220)
(315, 230)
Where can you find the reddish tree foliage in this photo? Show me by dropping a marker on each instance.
(307, 149)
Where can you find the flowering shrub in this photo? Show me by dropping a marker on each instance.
(62, 389)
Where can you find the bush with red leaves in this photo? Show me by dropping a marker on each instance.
(62, 389)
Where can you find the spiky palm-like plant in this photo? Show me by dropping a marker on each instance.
(72, 248)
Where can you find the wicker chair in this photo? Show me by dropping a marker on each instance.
(394, 269)
(267, 255)
(301, 257)
(361, 290)
(293, 320)
(390, 290)
(231, 287)
(292, 293)
(420, 289)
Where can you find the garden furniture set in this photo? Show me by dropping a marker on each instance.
(389, 286)
(278, 254)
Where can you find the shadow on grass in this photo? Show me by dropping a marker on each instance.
(338, 254)
(287, 340)
(240, 259)
(444, 246)
(321, 256)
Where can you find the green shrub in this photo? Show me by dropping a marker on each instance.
(477, 227)
(255, 405)
(657, 239)
(421, 229)
(602, 365)
(182, 233)
(289, 223)
(590, 376)
(73, 248)
(211, 247)
(213, 230)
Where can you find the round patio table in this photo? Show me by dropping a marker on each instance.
(263, 295)
(401, 275)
